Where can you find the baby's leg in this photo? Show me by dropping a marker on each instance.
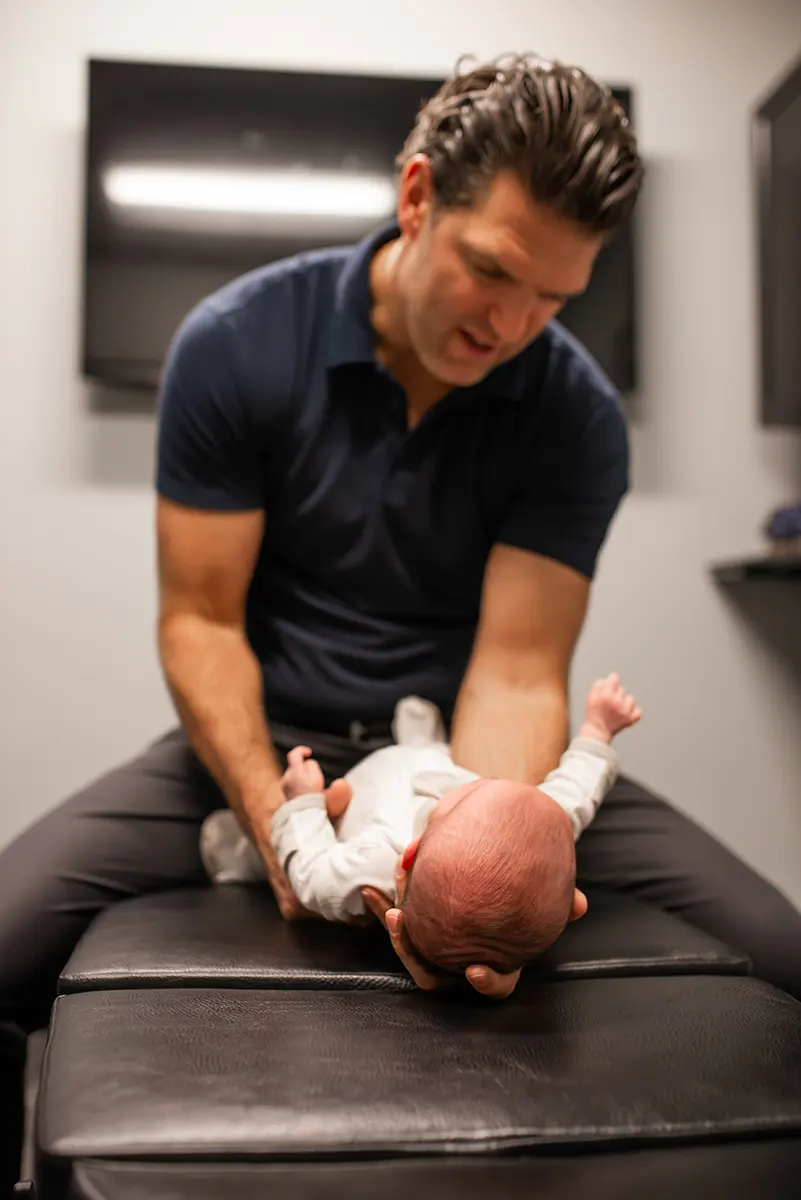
(227, 852)
(417, 722)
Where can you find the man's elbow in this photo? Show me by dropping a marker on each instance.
(517, 669)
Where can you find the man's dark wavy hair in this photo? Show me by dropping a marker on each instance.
(563, 135)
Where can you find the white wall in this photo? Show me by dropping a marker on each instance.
(80, 682)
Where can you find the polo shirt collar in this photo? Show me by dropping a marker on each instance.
(350, 338)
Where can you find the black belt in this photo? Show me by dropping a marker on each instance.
(356, 731)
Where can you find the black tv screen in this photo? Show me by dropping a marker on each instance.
(778, 160)
(191, 172)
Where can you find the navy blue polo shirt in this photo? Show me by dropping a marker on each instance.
(368, 583)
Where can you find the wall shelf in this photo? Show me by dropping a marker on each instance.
(773, 566)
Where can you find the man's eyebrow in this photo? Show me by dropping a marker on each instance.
(490, 262)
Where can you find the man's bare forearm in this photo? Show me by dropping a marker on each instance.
(216, 684)
(502, 732)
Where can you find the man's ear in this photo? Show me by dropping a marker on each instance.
(579, 905)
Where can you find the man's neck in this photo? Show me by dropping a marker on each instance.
(393, 347)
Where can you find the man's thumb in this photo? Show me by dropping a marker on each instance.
(337, 798)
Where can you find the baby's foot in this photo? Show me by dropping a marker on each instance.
(610, 709)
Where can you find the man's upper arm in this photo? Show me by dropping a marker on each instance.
(538, 577)
(210, 516)
(206, 561)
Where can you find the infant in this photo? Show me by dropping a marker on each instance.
(483, 869)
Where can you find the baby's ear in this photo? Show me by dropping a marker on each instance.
(408, 856)
(402, 868)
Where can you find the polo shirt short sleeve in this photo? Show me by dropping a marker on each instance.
(208, 456)
(568, 491)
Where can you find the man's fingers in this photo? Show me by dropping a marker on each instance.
(490, 983)
(288, 903)
(378, 903)
(393, 918)
(483, 979)
(423, 978)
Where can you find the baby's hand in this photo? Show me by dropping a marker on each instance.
(303, 774)
(610, 708)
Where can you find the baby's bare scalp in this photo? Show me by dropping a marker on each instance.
(493, 882)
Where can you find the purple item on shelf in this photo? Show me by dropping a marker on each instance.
(785, 523)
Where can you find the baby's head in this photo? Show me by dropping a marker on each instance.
(492, 880)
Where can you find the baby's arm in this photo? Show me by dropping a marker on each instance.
(585, 773)
(610, 709)
(327, 875)
(588, 768)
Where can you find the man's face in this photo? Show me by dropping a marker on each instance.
(479, 284)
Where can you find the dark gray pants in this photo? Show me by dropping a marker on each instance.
(136, 830)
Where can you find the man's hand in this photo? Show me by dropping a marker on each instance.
(483, 979)
(306, 774)
(260, 820)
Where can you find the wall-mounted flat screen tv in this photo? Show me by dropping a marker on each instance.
(777, 143)
(197, 174)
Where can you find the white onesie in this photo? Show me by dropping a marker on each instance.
(394, 792)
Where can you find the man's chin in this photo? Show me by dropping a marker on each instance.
(460, 374)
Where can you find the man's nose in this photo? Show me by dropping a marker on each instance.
(514, 323)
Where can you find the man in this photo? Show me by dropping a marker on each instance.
(383, 472)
